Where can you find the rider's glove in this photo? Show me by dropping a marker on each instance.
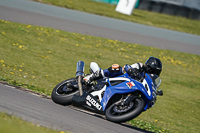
(134, 73)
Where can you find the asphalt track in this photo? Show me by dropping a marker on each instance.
(35, 13)
(44, 112)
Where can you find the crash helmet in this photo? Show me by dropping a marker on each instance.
(153, 66)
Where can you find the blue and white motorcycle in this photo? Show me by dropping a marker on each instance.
(120, 98)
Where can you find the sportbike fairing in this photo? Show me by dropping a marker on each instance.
(125, 85)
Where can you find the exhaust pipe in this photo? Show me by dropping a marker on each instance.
(80, 74)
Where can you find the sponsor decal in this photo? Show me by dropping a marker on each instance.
(130, 85)
(146, 86)
(92, 101)
(89, 104)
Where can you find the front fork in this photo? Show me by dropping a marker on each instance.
(129, 99)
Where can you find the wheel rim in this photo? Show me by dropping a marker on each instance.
(120, 109)
(65, 89)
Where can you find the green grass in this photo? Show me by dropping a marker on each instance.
(39, 58)
(12, 124)
(139, 16)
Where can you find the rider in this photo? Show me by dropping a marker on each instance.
(152, 65)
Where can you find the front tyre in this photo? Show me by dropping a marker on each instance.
(118, 112)
(63, 92)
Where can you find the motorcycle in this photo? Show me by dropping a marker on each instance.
(120, 99)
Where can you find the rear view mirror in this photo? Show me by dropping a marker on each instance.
(160, 93)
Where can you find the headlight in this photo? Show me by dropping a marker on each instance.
(154, 94)
(154, 99)
(154, 87)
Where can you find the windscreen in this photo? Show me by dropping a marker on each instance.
(156, 80)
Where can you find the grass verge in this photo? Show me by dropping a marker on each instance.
(12, 124)
(139, 16)
(39, 58)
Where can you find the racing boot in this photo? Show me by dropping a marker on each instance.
(94, 76)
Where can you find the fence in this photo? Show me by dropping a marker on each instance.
(171, 7)
(184, 8)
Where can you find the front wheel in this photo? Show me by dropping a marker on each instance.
(64, 91)
(119, 112)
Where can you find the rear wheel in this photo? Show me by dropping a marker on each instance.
(119, 112)
(64, 91)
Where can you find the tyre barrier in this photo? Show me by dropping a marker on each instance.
(170, 9)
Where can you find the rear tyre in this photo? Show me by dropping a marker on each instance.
(118, 112)
(63, 93)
